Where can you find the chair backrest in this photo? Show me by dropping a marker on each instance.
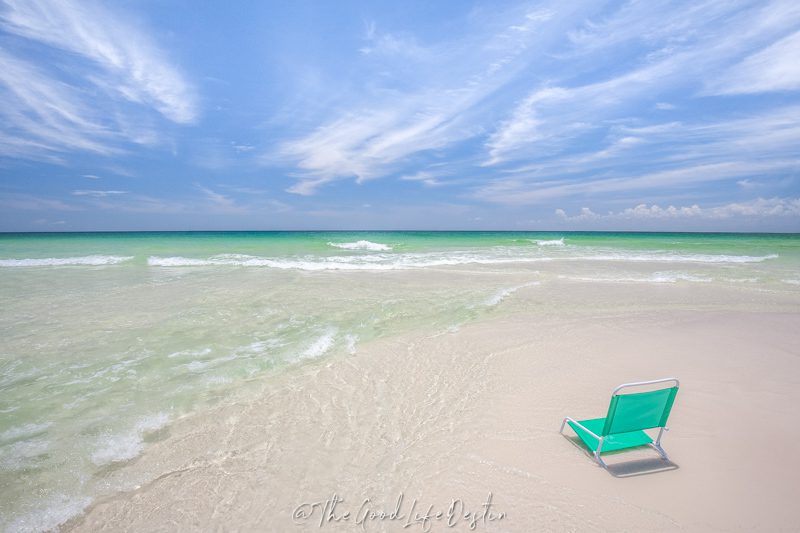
(640, 410)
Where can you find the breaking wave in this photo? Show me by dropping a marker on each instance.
(361, 245)
(438, 259)
(88, 260)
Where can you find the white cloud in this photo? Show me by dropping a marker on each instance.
(42, 114)
(438, 106)
(760, 207)
(129, 60)
(534, 96)
(666, 48)
(426, 178)
(775, 68)
(513, 192)
(382, 44)
(220, 201)
(550, 117)
(115, 72)
(97, 194)
(665, 155)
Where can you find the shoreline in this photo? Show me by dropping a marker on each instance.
(464, 413)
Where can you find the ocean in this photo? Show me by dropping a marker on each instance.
(108, 338)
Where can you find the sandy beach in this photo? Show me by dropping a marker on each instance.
(471, 413)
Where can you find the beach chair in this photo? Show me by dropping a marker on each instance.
(628, 416)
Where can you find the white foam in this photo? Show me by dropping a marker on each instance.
(674, 277)
(662, 257)
(259, 347)
(791, 281)
(118, 448)
(88, 260)
(362, 245)
(502, 294)
(25, 430)
(151, 423)
(190, 353)
(22, 454)
(493, 256)
(51, 512)
(321, 345)
(350, 341)
(656, 277)
(201, 365)
(177, 261)
(552, 242)
(373, 262)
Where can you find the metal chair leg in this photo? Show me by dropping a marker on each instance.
(657, 444)
(597, 454)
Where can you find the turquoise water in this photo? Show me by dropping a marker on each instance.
(141, 245)
(107, 337)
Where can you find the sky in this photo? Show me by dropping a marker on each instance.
(495, 115)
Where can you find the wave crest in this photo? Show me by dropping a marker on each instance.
(87, 260)
(362, 245)
(551, 242)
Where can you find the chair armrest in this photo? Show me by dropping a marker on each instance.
(568, 419)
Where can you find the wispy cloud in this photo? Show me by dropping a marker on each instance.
(208, 202)
(101, 73)
(775, 68)
(438, 107)
(97, 194)
(130, 62)
(584, 92)
(30, 202)
(659, 157)
(42, 115)
(426, 178)
(220, 201)
(677, 49)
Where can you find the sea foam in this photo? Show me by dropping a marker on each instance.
(551, 242)
(321, 345)
(502, 294)
(23, 454)
(126, 446)
(87, 260)
(51, 512)
(23, 431)
(655, 277)
(497, 256)
(669, 257)
(361, 245)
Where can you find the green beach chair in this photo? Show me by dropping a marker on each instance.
(628, 416)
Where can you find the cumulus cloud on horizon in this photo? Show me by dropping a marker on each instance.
(760, 207)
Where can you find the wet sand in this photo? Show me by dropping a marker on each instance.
(474, 410)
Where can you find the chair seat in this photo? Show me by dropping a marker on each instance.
(618, 441)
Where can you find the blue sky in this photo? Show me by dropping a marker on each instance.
(161, 115)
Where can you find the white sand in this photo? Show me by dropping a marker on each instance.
(459, 414)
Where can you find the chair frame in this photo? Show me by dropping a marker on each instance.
(616, 392)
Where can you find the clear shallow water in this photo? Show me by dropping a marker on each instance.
(107, 337)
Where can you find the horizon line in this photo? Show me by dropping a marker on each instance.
(689, 232)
